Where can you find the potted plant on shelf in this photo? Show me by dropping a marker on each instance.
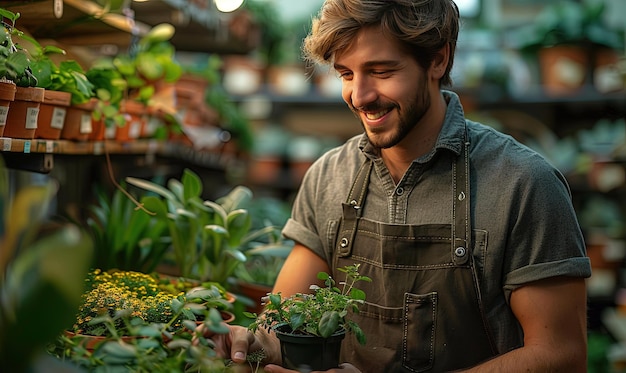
(209, 238)
(311, 327)
(21, 121)
(65, 83)
(109, 90)
(573, 44)
(150, 71)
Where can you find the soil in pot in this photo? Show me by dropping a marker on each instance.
(309, 352)
(24, 112)
(7, 95)
(52, 112)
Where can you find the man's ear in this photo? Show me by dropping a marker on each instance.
(440, 62)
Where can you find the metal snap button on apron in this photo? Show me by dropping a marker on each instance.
(344, 242)
(460, 251)
(400, 191)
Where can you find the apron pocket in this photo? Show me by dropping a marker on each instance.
(418, 344)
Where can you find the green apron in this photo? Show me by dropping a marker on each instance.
(423, 311)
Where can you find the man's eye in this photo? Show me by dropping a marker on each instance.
(381, 73)
(345, 75)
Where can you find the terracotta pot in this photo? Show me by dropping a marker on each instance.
(606, 73)
(90, 342)
(78, 122)
(24, 112)
(136, 117)
(52, 114)
(563, 69)
(98, 130)
(255, 292)
(7, 95)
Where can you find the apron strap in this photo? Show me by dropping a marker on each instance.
(461, 227)
(358, 191)
(352, 209)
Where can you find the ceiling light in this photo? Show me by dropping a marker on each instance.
(227, 6)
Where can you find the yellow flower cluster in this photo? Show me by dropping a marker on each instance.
(109, 292)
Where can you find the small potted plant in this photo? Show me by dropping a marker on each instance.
(311, 327)
(15, 66)
(65, 83)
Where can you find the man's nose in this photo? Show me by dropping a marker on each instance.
(363, 92)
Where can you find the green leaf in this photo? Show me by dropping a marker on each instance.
(329, 323)
(357, 294)
(192, 185)
(296, 320)
(237, 198)
(152, 187)
(238, 223)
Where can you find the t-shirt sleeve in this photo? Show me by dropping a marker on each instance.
(545, 237)
(301, 227)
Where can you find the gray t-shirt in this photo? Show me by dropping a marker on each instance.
(518, 199)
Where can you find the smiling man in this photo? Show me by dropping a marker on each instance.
(470, 238)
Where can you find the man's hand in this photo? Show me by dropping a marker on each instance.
(239, 341)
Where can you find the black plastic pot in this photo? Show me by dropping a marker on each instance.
(300, 351)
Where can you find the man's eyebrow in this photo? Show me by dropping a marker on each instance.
(371, 64)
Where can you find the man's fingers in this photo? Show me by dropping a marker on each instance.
(241, 341)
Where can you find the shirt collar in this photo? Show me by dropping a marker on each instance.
(451, 136)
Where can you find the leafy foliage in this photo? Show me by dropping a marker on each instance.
(153, 347)
(36, 271)
(209, 238)
(67, 76)
(14, 61)
(124, 237)
(152, 59)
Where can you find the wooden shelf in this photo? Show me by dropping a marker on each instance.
(78, 148)
(37, 154)
(75, 22)
(83, 23)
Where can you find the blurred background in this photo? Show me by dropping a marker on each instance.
(552, 73)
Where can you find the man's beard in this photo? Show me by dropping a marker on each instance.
(407, 119)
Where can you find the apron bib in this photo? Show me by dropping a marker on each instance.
(423, 311)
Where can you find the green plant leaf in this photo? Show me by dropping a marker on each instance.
(329, 323)
(152, 187)
(239, 197)
(296, 320)
(192, 185)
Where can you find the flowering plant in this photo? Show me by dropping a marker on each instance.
(135, 294)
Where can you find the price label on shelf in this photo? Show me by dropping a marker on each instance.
(6, 144)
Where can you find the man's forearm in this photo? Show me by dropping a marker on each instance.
(535, 359)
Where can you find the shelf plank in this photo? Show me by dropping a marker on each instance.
(79, 147)
(75, 22)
